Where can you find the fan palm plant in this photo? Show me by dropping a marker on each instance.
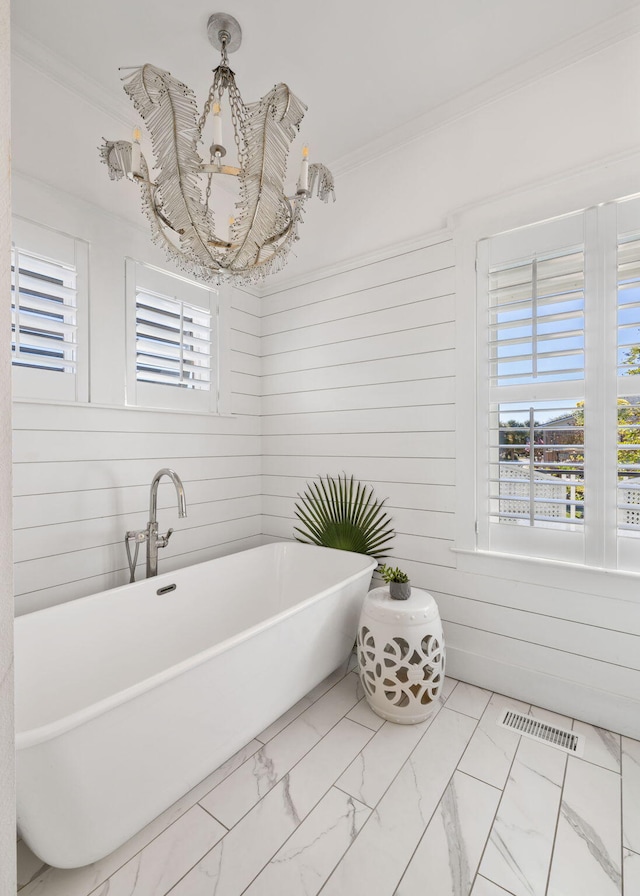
(342, 513)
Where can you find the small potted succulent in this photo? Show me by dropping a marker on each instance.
(398, 581)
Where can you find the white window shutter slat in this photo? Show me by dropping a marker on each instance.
(44, 313)
(173, 342)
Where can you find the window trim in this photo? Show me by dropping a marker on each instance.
(56, 247)
(600, 544)
(538, 202)
(563, 233)
(159, 397)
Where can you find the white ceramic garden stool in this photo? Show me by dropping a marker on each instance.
(401, 655)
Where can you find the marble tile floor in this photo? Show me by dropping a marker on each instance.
(332, 800)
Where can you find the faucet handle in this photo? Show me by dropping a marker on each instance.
(163, 540)
(137, 535)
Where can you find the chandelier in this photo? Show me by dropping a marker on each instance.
(255, 240)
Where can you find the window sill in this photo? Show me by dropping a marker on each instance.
(130, 408)
(608, 583)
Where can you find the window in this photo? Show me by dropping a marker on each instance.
(173, 339)
(559, 470)
(173, 342)
(48, 314)
(43, 313)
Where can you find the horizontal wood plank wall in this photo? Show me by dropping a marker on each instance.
(82, 476)
(359, 376)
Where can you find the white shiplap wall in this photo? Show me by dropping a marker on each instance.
(82, 476)
(359, 374)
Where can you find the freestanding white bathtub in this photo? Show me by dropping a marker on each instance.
(127, 699)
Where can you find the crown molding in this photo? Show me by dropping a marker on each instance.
(600, 181)
(590, 42)
(623, 167)
(616, 29)
(44, 60)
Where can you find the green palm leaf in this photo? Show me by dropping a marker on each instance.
(343, 513)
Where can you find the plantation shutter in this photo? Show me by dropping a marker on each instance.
(534, 284)
(173, 342)
(536, 330)
(43, 313)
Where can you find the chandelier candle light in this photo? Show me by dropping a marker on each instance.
(266, 220)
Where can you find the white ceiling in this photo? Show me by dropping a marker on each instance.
(369, 72)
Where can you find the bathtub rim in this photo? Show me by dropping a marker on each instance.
(41, 734)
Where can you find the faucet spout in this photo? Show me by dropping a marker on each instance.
(153, 499)
(155, 541)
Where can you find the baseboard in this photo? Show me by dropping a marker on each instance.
(575, 699)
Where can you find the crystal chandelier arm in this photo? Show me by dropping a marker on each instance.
(117, 156)
(271, 124)
(168, 109)
(320, 172)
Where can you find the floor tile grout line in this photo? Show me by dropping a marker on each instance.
(591, 762)
(343, 854)
(495, 814)
(352, 797)
(297, 828)
(558, 815)
(313, 703)
(409, 755)
(198, 802)
(189, 870)
(228, 829)
(387, 722)
(163, 831)
(437, 806)
(263, 745)
(102, 883)
(361, 724)
(317, 803)
(502, 889)
(374, 809)
(250, 756)
(221, 823)
(461, 711)
(298, 761)
(480, 780)
(373, 732)
(159, 834)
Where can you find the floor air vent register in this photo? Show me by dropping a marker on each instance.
(533, 728)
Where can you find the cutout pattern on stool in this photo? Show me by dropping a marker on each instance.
(405, 673)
